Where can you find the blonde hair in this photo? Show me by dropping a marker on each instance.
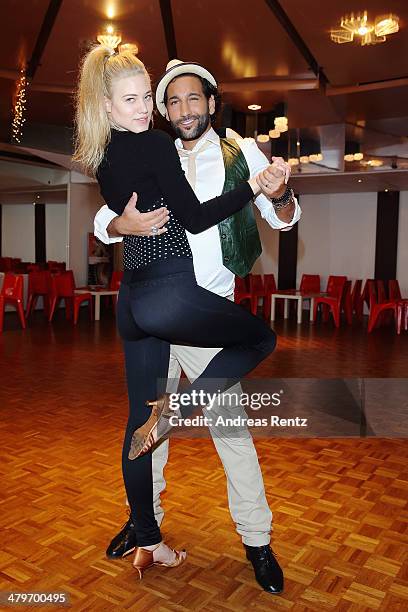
(92, 126)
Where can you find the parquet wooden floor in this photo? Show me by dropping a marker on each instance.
(340, 505)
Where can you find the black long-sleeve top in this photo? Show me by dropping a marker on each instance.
(147, 163)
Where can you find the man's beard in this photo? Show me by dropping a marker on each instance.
(195, 133)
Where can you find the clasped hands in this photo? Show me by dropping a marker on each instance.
(271, 181)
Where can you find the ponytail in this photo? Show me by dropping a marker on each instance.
(92, 126)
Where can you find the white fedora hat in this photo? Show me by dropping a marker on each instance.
(176, 68)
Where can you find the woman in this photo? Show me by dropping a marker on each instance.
(159, 301)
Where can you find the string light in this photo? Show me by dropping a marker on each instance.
(19, 108)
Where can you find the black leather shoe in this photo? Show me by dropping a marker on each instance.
(268, 572)
(123, 543)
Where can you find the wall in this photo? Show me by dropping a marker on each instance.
(18, 238)
(84, 200)
(268, 262)
(337, 235)
(56, 231)
(314, 253)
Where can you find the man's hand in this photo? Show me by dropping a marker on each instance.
(135, 223)
(272, 181)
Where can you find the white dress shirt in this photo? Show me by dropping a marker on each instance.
(209, 182)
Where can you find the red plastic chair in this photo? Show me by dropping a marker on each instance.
(335, 288)
(379, 305)
(269, 290)
(241, 291)
(39, 285)
(310, 283)
(114, 285)
(256, 289)
(63, 287)
(12, 293)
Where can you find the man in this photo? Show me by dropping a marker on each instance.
(187, 96)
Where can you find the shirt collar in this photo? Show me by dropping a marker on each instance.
(211, 136)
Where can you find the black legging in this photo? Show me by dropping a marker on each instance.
(166, 306)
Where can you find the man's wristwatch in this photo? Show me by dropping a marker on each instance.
(284, 200)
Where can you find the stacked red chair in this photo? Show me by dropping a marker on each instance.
(6, 264)
(351, 300)
(335, 288)
(394, 290)
(63, 287)
(357, 302)
(12, 295)
(379, 304)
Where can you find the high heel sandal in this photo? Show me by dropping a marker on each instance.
(144, 560)
(143, 438)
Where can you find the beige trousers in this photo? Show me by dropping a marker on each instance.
(246, 494)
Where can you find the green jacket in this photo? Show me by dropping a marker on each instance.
(240, 242)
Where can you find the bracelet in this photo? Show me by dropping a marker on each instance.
(284, 200)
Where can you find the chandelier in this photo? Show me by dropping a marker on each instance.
(369, 32)
(110, 38)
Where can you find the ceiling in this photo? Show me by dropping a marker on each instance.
(263, 51)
